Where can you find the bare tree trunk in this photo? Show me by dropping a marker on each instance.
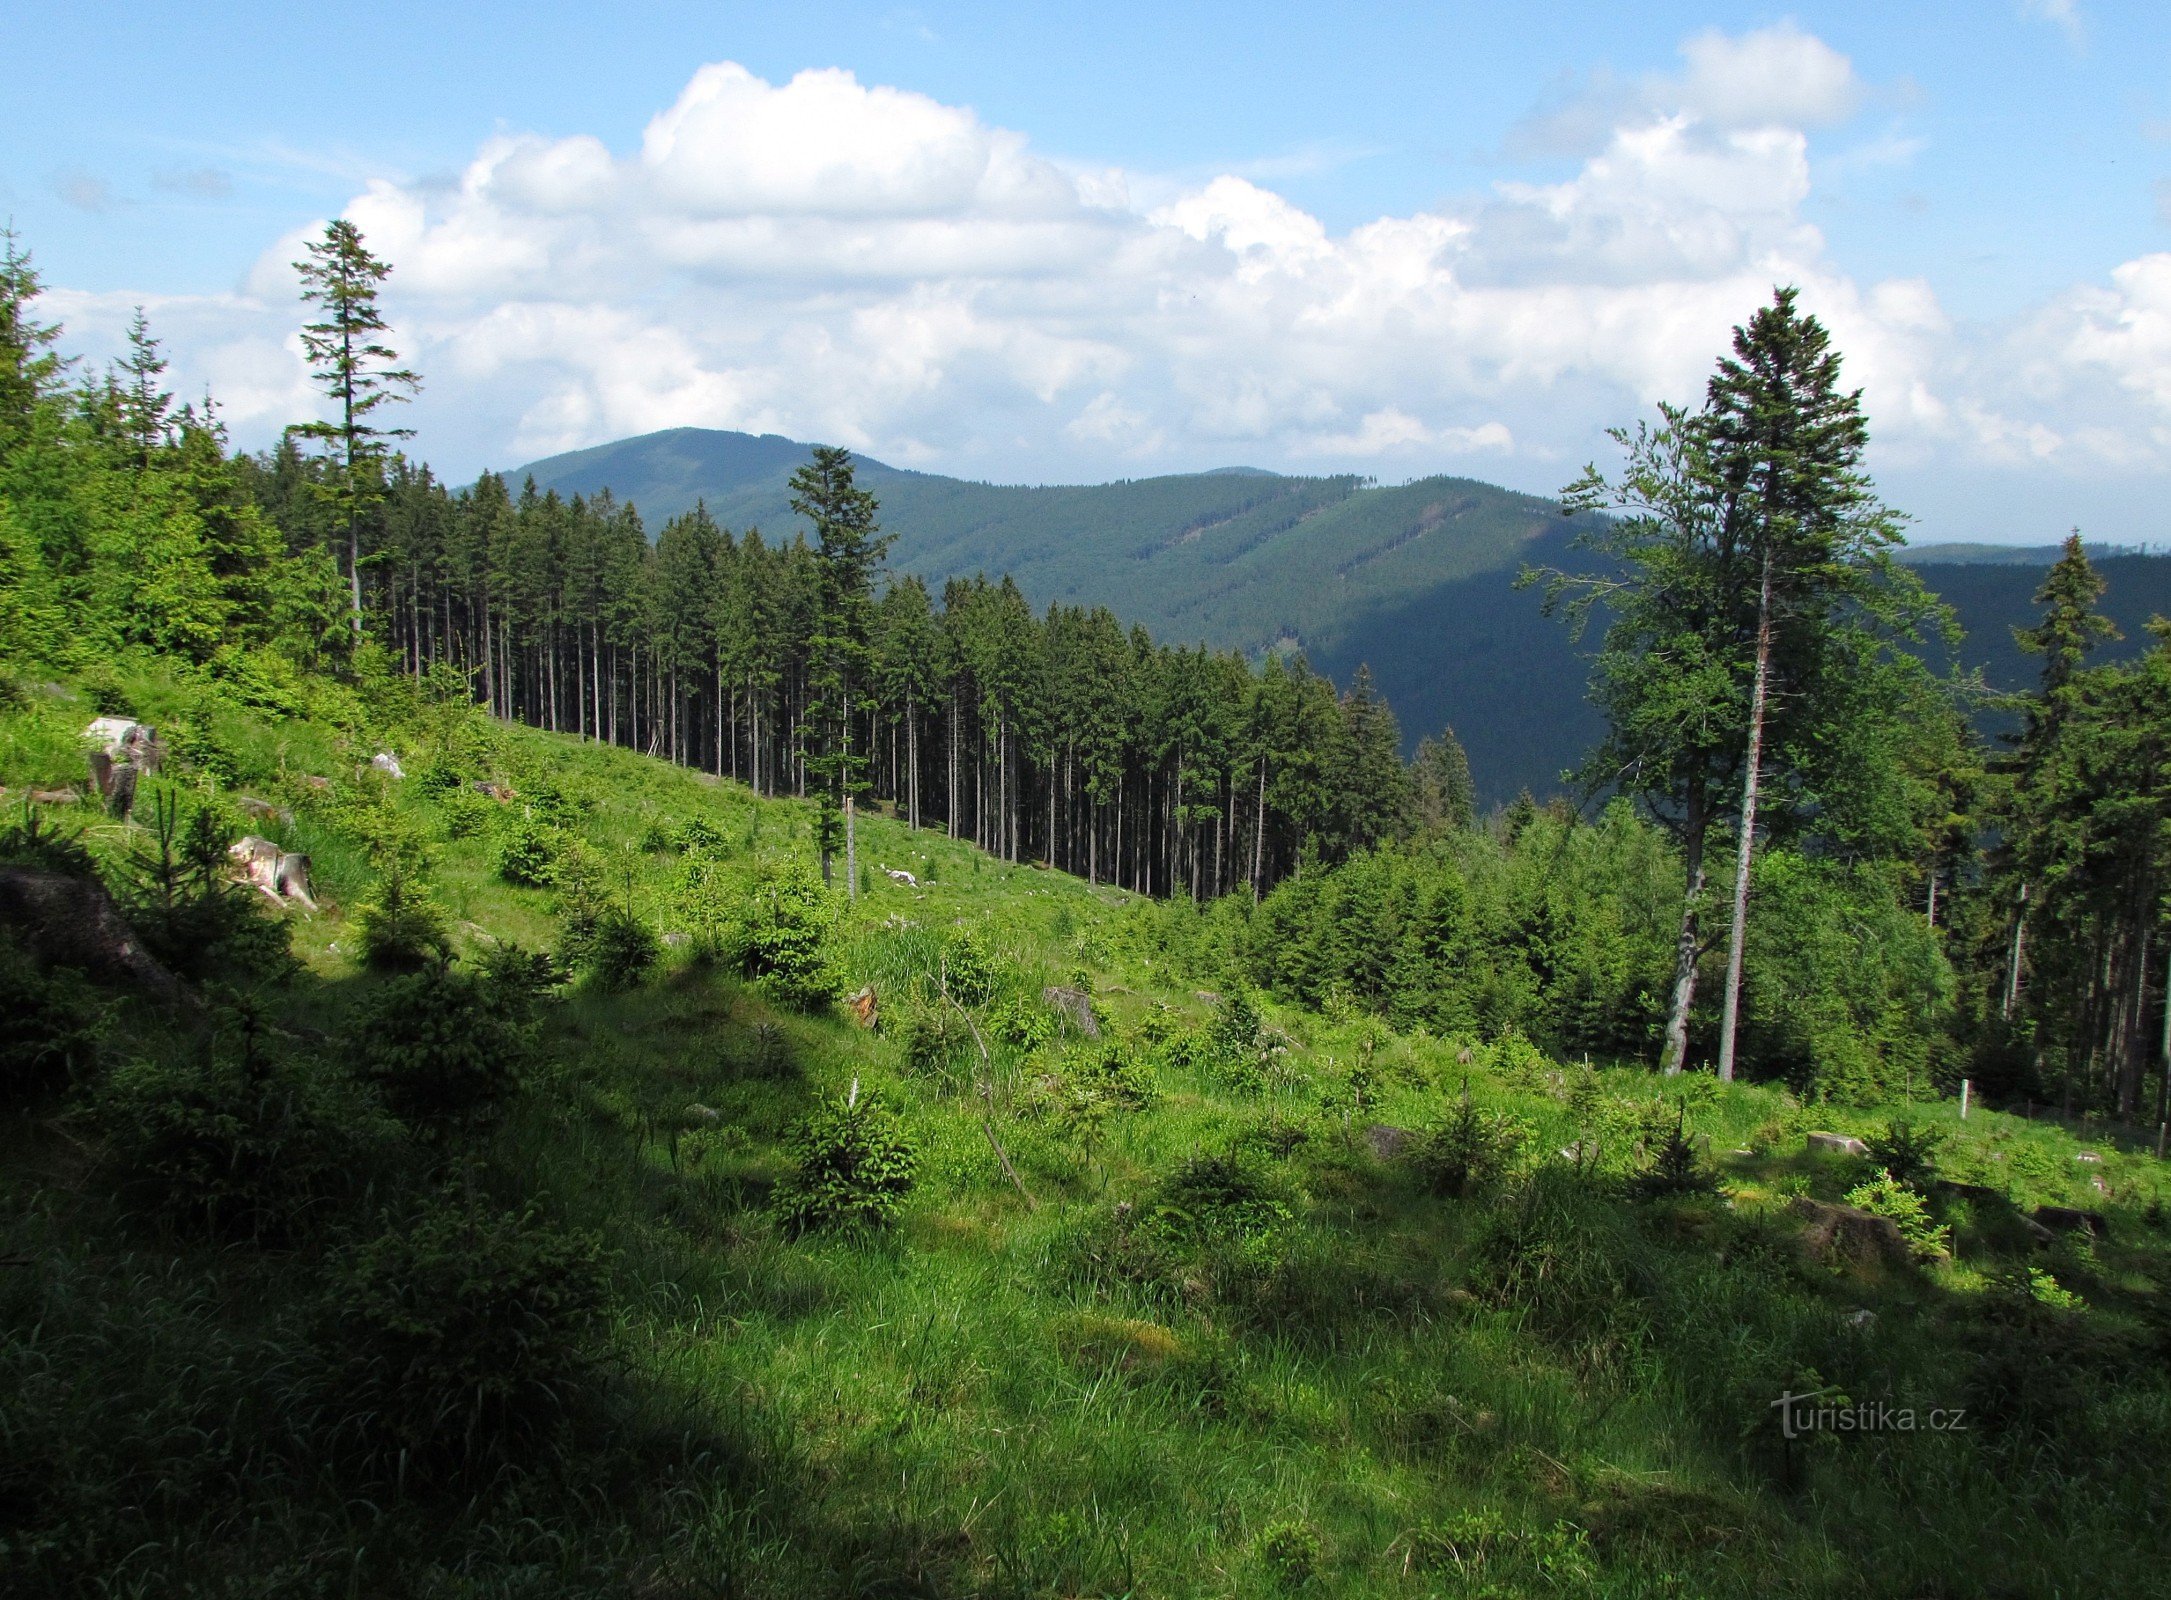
(2133, 1053)
(2163, 1051)
(2012, 973)
(1745, 851)
(1689, 946)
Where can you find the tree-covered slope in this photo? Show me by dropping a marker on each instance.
(1417, 580)
(1237, 559)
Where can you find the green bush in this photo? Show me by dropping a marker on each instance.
(441, 1045)
(401, 929)
(1022, 1022)
(438, 780)
(1238, 1050)
(699, 836)
(1113, 1074)
(192, 916)
(968, 971)
(529, 854)
(1674, 1167)
(785, 941)
(231, 1144)
(1467, 1150)
(936, 1038)
(1906, 1152)
(854, 1167)
(623, 949)
(50, 1036)
(464, 814)
(1885, 1196)
(1290, 1551)
(1226, 1198)
(36, 842)
(193, 745)
(459, 1337)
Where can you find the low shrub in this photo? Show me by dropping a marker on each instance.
(1022, 1022)
(1290, 1552)
(1906, 1152)
(401, 929)
(458, 1337)
(854, 1166)
(1114, 1074)
(37, 842)
(443, 1046)
(1468, 1150)
(437, 780)
(1885, 1196)
(1237, 1045)
(192, 916)
(1212, 1199)
(53, 1017)
(622, 950)
(937, 1044)
(530, 854)
(699, 836)
(1559, 1252)
(233, 1144)
(1673, 1167)
(785, 941)
(968, 971)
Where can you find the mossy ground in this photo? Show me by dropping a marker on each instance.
(1023, 1388)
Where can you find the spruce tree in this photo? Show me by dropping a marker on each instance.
(354, 368)
(144, 405)
(848, 550)
(1786, 445)
(29, 370)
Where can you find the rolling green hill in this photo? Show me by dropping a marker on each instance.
(1415, 580)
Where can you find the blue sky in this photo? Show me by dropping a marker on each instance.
(1041, 244)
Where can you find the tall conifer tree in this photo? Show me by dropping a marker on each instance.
(354, 368)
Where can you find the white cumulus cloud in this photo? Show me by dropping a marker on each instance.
(867, 265)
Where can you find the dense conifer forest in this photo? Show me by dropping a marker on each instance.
(545, 1055)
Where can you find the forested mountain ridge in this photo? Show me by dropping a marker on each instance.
(1416, 581)
(1237, 559)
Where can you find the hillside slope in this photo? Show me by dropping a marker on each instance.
(1158, 1313)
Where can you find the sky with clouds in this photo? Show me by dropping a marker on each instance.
(1026, 249)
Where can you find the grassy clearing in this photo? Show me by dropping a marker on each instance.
(1220, 1334)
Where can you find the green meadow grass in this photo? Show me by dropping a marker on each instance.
(1547, 1388)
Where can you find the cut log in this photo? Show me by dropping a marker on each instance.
(1836, 1144)
(121, 798)
(293, 880)
(1843, 1236)
(101, 773)
(1075, 1006)
(862, 1007)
